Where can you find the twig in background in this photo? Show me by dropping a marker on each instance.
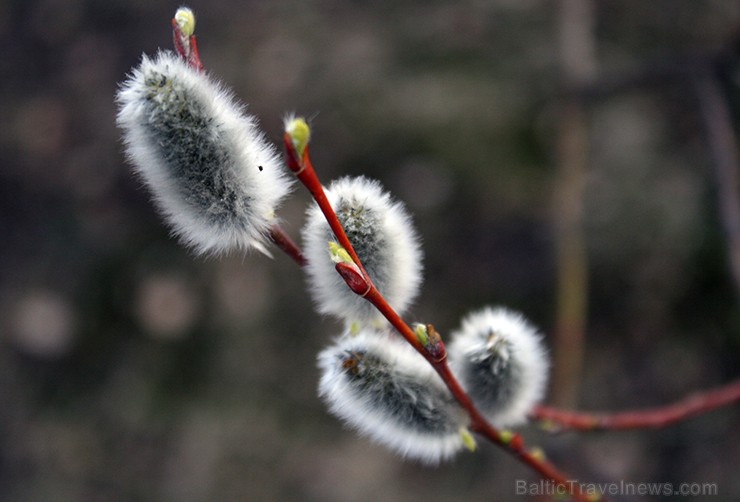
(556, 420)
(577, 54)
(720, 137)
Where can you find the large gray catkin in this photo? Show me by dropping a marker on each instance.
(380, 386)
(213, 175)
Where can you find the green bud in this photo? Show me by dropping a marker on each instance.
(338, 253)
(421, 334)
(538, 453)
(299, 133)
(506, 436)
(468, 439)
(185, 20)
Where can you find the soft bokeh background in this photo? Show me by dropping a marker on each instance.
(132, 370)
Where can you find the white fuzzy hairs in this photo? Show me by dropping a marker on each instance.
(213, 175)
(380, 386)
(501, 362)
(384, 239)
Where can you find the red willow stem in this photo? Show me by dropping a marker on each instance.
(186, 47)
(478, 423)
(287, 245)
(514, 444)
(304, 171)
(653, 418)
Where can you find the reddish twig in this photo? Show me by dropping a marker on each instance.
(186, 46)
(577, 52)
(287, 245)
(304, 171)
(360, 283)
(654, 418)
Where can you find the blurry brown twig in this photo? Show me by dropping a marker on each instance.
(578, 66)
(702, 70)
(720, 137)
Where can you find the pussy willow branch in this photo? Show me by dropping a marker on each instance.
(478, 424)
(186, 47)
(305, 173)
(654, 418)
(554, 419)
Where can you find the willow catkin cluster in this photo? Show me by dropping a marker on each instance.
(218, 183)
(213, 175)
(380, 386)
(501, 362)
(384, 239)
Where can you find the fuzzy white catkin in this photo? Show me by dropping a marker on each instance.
(384, 239)
(500, 361)
(380, 386)
(213, 175)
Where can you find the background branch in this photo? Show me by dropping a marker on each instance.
(654, 418)
(578, 65)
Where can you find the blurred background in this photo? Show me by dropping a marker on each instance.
(569, 159)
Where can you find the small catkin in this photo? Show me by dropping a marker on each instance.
(380, 386)
(213, 175)
(384, 239)
(501, 363)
